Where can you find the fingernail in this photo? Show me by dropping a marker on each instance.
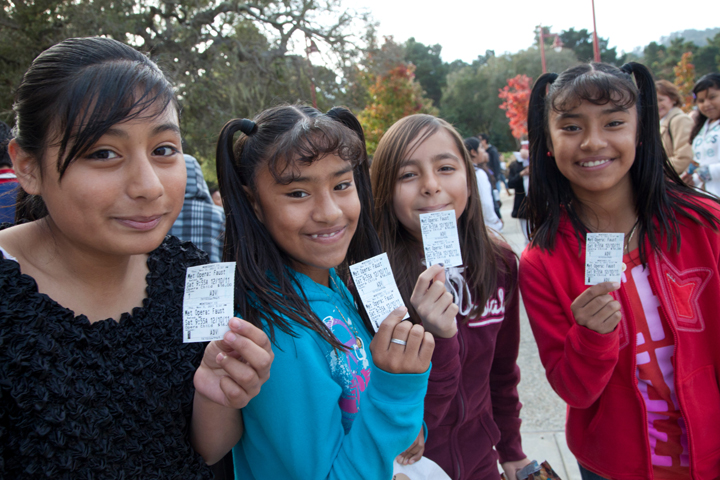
(441, 264)
(230, 337)
(401, 310)
(220, 357)
(616, 284)
(235, 323)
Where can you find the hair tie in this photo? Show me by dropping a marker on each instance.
(627, 68)
(248, 127)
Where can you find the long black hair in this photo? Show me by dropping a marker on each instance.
(73, 93)
(711, 80)
(280, 138)
(660, 194)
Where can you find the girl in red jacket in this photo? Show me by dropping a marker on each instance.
(636, 361)
(420, 166)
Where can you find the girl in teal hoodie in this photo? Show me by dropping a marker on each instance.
(339, 403)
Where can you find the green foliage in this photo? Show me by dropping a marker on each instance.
(227, 58)
(393, 96)
(430, 70)
(471, 103)
(581, 42)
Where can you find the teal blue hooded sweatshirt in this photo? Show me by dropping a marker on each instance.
(328, 414)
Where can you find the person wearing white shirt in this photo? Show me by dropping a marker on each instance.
(479, 157)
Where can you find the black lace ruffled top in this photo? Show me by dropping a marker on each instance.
(107, 400)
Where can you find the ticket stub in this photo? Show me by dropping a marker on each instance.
(376, 285)
(440, 239)
(208, 301)
(603, 257)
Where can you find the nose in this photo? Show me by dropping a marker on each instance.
(430, 184)
(143, 181)
(593, 140)
(326, 209)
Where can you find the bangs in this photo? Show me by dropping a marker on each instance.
(104, 95)
(595, 87)
(312, 139)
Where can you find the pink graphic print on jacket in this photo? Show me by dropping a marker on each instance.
(350, 369)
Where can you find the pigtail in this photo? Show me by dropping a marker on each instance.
(651, 165)
(547, 192)
(365, 243)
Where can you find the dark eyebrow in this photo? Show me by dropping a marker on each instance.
(437, 158)
(615, 109)
(444, 156)
(118, 132)
(566, 115)
(288, 179)
(165, 127)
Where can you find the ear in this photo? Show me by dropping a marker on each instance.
(27, 168)
(255, 204)
(549, 146)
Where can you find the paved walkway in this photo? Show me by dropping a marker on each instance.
(543, 413)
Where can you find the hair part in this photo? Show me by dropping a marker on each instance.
(711, 80)
(284, 138)
(480, 253)
(660, 194)
(73, 93)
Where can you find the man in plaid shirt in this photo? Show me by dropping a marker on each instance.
(201, 221)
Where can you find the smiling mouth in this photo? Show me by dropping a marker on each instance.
(594, 163)
(327, 235)
(434, 208)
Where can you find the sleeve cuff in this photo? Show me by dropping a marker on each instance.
(589, 340)
(399, 387)
(446, 353)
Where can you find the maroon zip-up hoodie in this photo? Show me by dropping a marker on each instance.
(472, 401)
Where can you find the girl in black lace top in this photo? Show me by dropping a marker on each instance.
(95, 381)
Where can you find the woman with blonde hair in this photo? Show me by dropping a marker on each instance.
(675, 126)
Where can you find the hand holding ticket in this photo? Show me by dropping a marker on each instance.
(440, 238)
(208, 301)
(376, 285)
(603, 257)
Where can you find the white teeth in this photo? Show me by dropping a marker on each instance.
(594, 164)
(324, 235)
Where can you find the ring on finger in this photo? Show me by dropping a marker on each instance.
(398, 341)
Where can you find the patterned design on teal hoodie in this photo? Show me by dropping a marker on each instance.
(319, 415)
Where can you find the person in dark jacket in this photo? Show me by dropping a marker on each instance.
(518, 179)
(494, 162)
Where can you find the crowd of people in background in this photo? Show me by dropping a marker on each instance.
(96, 382)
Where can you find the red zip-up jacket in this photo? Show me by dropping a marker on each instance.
(596, 374)
(472, 401)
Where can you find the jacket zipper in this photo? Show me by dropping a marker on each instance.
(675, 376)
(462, 406)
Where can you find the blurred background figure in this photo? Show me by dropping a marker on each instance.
(493, 162)
(675, 126)
(519, 180)
(8, 181)
(705, 135)
(201, 221)
(486, 182)
(216, 197)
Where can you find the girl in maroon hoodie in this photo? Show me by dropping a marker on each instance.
(421, 166)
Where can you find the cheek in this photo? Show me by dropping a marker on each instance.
(401, 201)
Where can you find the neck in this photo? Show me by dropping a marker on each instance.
(63, 259)
(610, 211)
